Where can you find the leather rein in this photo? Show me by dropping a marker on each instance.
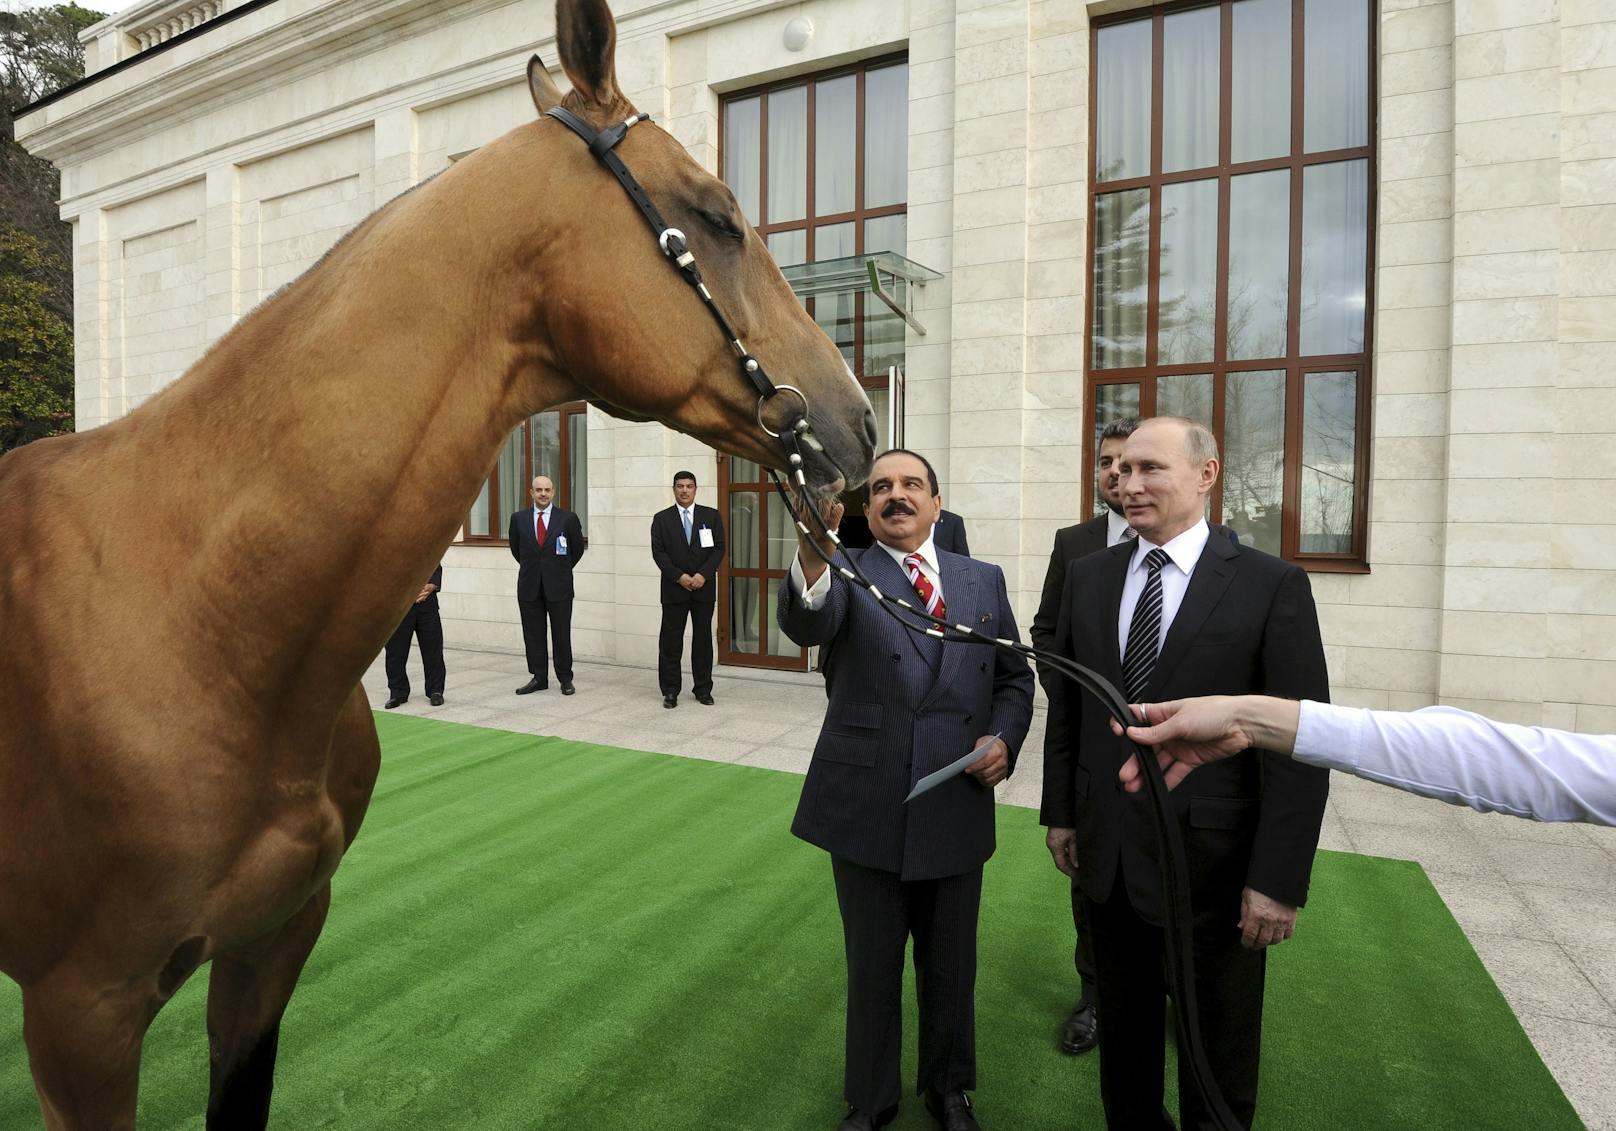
(795, 431)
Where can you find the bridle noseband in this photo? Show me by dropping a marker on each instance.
(795, 430)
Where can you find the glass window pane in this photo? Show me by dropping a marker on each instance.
(1113, 402)
(1335, 218)
(1190, 50)
(887, 233)
(1121, 275)
(789, 248)
(835, 144)
(779, 643)
(477, 525)
(1122, 94)
(833, 241)
(1335, 74)
(1329, 462)
(742, 534)
(886, 136)
(1185, 394)
(881, 404)
(1188, 291)
(782, 537)
(743, 614)
(742, 163)
(544, 431)
(510, 475)
(578, 466)
(1259, 264)
(1260, 80)
(743, 471)
(1254, 456)
(835, 314)
(788, 155)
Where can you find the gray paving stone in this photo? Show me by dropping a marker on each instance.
(1539, 977)
(1582, 1058)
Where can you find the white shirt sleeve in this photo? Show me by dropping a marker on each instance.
(1465, 759)
(814, 597)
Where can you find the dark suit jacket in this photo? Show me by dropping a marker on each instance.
(545, 573)
(902, 704)
(1072, 543)
(949, 534)
(1247, 624)
(674, 556)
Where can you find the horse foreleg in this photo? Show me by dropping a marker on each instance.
(84, 1049)
(247, 994)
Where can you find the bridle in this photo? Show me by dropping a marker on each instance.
(795, 431)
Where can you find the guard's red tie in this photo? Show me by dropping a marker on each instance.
(929, 597)
(538, 526)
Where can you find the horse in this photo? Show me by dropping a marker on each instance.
(193, 592)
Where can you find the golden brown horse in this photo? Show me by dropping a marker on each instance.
(190, 595)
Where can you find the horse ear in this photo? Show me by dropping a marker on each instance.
(541, 86)
(586, 36)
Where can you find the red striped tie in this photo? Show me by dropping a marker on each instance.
(929, 597)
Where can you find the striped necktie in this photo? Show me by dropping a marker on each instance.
(929, 597)
(1144, 633)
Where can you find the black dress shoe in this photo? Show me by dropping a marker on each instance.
(395, 701)
(670, 700)
(705, 700)
(531, 686)
(859, 1120)
(1082, 1029)
(952, 1112)
(436, 699)
(568, 689)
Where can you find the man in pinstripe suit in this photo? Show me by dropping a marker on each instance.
(902, 705)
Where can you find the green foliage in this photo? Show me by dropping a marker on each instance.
(36, 344)
(39, 53)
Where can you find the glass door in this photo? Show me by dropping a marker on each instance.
(762, 541)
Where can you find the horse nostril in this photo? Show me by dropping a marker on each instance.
(869, 428)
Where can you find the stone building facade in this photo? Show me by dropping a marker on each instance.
(216, 150)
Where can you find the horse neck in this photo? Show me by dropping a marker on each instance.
(353, 420)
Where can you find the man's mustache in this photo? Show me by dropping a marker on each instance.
(896, 507)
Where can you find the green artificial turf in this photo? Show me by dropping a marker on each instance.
(533, 933)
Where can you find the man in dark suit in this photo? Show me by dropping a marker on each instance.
(423, 623)
(902, 705)
(687, 544)
(1173, 613)
(1081, 1031)
(548, 543)
(949, 534)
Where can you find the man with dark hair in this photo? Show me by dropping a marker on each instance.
(547, 542)
(1081, 1032)
(901, 705)
(687, 544)
(1179, 611)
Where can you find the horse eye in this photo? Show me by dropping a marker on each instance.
(722, 224)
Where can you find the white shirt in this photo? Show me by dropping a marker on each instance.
(545, 515)
(1184, 551)
(1465, 759)
(816, 594)
(1115, 527)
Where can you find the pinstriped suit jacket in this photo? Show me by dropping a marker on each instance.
(900, 706)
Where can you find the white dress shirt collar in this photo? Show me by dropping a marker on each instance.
(1115, 526)
(1184, 550)
(928, 556)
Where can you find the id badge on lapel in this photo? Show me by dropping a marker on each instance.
(561, 545)
(705, 537)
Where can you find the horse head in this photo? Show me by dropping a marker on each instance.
(664, 358)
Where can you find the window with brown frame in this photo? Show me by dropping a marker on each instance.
(553, 443)
(1232, 203)
(820, 166)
